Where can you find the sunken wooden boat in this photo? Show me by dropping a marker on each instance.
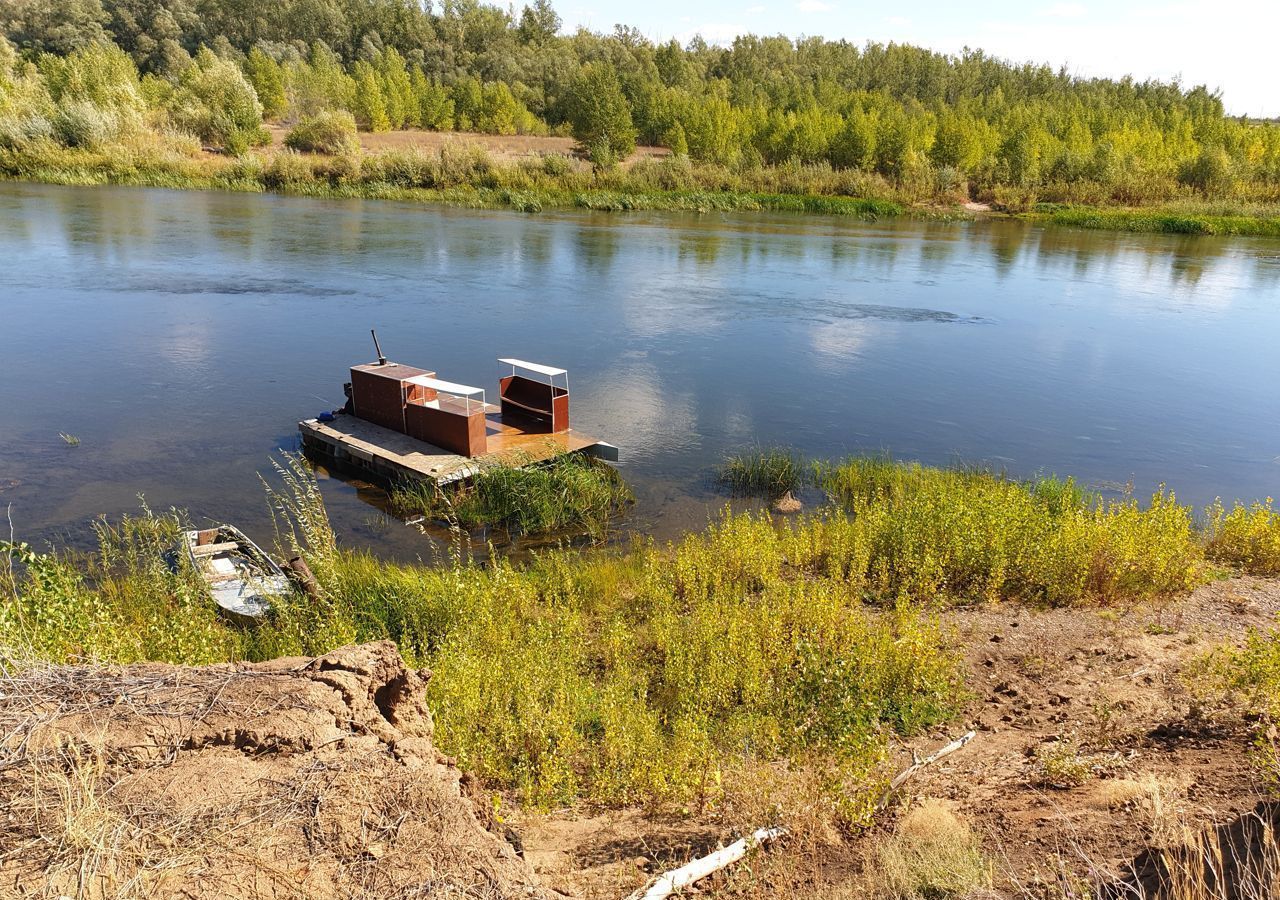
(241, 576)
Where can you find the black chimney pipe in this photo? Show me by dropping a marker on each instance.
(382, 360)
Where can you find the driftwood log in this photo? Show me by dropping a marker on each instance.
(668, 883)
(302, 575)
(677, 879)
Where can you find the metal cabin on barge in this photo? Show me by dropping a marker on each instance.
(404, 423)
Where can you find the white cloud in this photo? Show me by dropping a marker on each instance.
(813, 6)
(899, 21)
(755, 10)
(1064, 11)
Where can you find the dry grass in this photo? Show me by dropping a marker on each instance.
(1239, 860)
(225, 782)
(931, 855)
(504, 146)
(1148, 792)
(73, 820)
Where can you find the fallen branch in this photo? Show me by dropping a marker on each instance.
(902, 777)
(677, 879)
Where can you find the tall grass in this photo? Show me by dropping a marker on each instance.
(616, 679)
(976, 535)
(568, 494)
(768, 473)
(123, 602)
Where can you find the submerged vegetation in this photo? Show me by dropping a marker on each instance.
(104, 91)
(650, 674)
(566, 494)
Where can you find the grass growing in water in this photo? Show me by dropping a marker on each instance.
(1172, 221)
(765, 473)
(569, 493)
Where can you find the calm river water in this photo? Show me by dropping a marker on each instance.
(180, 336)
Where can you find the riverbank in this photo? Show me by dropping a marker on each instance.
(468, 175)
(627, 710)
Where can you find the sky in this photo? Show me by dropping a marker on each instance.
(1228, 45)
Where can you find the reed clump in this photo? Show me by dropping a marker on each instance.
(767, 473)
(568, 494)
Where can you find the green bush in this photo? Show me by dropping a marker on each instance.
(557, 165)
(23, 133)
(215, 102)
(1246, 536)
(330, 131)
(82, 123)
(288, 169)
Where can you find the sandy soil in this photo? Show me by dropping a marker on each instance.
(297, 778)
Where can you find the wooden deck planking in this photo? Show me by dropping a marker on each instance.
(395, 456)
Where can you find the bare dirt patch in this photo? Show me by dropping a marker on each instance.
(502, 146)
(312, 778)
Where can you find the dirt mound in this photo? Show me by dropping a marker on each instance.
(308, 778)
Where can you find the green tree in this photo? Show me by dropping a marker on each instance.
(216, 102)
(599, 113)
(435, 106)
(267, 78)
(468, 103)
(538, 23)
(53, 26)
(100, 74)
(674, 139)
(369, 105)
(396, 88)
(500, 113)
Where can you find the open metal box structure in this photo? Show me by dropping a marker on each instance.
(535, 394)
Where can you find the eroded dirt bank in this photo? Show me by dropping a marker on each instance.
(310, 778)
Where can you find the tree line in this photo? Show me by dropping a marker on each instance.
(948, 124)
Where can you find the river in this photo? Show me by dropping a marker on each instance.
(180, 336)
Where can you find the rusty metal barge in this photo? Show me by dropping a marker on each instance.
(402, 423)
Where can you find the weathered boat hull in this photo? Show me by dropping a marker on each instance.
(241, 577)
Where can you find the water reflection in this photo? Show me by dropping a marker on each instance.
(181, 336)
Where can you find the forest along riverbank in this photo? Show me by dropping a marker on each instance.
(463, 173)
(769, 671)
(1155, 157)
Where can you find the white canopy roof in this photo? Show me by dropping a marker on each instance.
(448, 387)
(549, 371)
